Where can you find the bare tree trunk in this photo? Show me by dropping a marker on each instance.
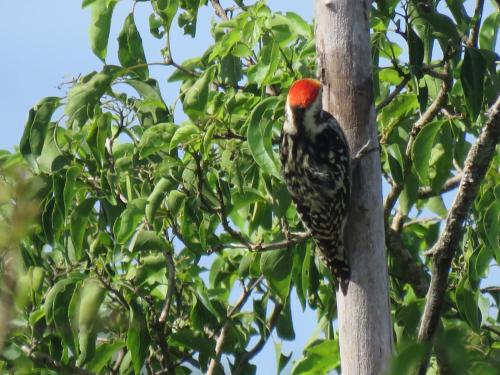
(344, 58)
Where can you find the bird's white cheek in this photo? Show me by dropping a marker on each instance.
(289, 127)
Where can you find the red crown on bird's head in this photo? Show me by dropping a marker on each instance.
(303, 92)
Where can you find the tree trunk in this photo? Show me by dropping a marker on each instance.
(344, 62)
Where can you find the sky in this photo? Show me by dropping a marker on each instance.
(44, 44)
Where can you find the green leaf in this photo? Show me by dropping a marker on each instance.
(86, 3)
(92, 296)
(79, 220)
(35, 130)
(195, 100)
(203, 297)
(263, 72)
(441, 159)
(281, 360)
(96, 138)
(83, 97)
(102, 10)
(192, 340)
(61, 316)
(442, 26)
(410, 193)
(156, 138)
(320, 357)
(276, 266)
(489, 31)
(150, 240)
(298, 25)
(156, 197)
(175, 201)
(472, 76)
(58, 287)
(128, 221)
(103, 354)
(416, 51)
(400, 107)
(69, 190)
(225, 44)
(241, 50)
(408, 359)
(259, 135)
(395, 161)
(491, 227)
(422, 149)
(151, 267)
(130, 50)
(284, 325)
(149, 90)
(436, 205)
(184, 134)
(138, 337)
(167, 10)
(230, 70)
(51, 158)
(467, 306)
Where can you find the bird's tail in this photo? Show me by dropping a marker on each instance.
(341, 272)
(336, 260)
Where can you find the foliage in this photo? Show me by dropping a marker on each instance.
(164, 245)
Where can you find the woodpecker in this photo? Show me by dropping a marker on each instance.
(315, 162)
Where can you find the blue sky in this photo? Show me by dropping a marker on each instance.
(44, 44)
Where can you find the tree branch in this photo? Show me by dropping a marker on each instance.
(450, 184)
(414, 273)
(263, 339)
(476, 165)
(476, 23)
(294, 239)
(44, 359)
(219, 10)
(225, 328)
(394, 93)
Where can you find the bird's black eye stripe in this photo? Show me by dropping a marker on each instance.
(298, 114)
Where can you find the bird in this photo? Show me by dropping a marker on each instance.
(315, 160)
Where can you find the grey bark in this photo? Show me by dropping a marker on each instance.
(344, 62)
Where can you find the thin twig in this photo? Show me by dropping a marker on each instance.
(225, 222)
(245, 358)
(394, 93)
(476, 20)
(225, 328)
(493, 329)
(294, 239)
(47, 360)
(490, 289)
(219, 10)
(425, 192)
(476, 165)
